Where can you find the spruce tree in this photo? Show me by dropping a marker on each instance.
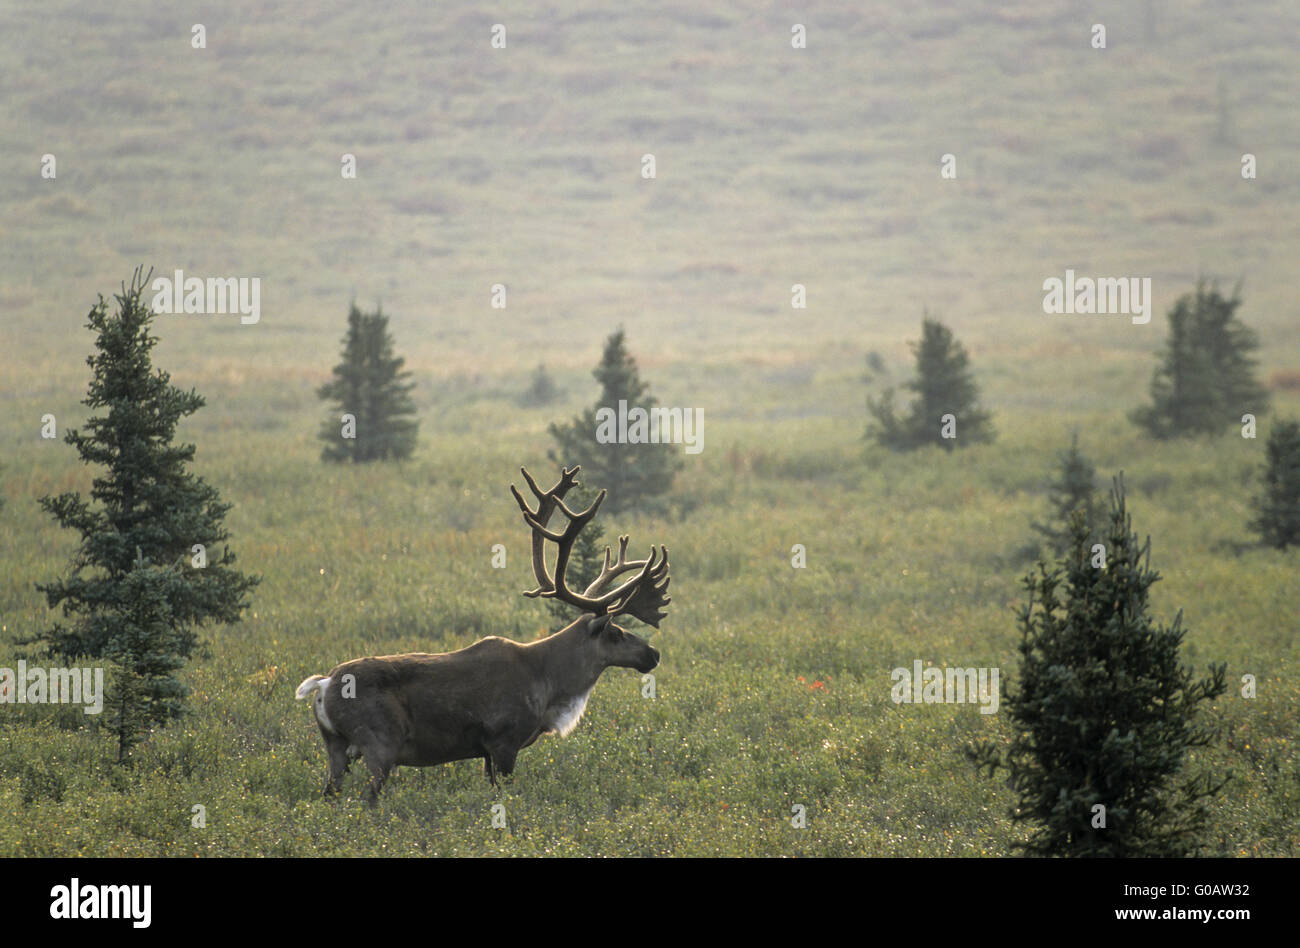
(636, 475)
(1278, 505)
(147, 512)
(943, 386)
(1206, 378)
(541, 389)
(369, 385)
(1106, 713)
(1074, 489)
(146, 647)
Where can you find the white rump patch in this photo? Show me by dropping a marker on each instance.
(562, 718)
(317, 684)
(308, 686)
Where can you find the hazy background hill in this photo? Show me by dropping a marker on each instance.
(521, 166)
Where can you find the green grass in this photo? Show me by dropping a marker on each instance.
(908, 557)
(521, 166)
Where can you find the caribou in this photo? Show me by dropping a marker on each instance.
(497, 696)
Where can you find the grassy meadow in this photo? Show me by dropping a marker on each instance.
(521, 166)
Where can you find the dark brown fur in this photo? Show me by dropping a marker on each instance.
(489, 700)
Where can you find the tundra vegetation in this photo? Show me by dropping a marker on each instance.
(773, 688)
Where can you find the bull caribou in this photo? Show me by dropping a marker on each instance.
(497, 696)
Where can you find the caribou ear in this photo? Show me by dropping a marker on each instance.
(598, 624)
